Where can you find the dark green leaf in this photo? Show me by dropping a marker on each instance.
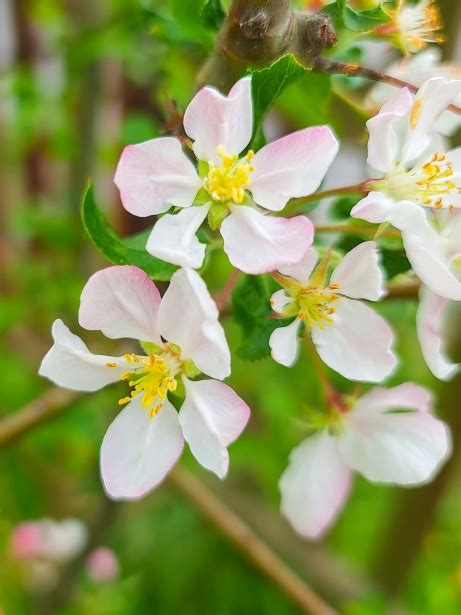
(252, 310)
(213, 14)
(361, 21)
(268, 84)
(394, 261)
(118, 250)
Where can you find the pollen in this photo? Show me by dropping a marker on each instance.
(316, 305)
(111, 364)
(228, 181)
(416, 113)
(152, 378)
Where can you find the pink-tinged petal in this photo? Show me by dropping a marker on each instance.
(426, 255)
(292, 166)
(102, 565)
(258, 243)
(301, 272)
(359, 274)
(71, 365)
(284, 343)
(406, 396)
(155, 175)
(62, 541)
(375, 208)
(25, 540)
(121, 301)
(212, 119)
(407, 448)
(384, 141)
(280, 300)
(138, 451)
(357, 344)
(188, 317)
(173, 237)
(212, 417)
(430, 328)
(431, 100)
(314, 486)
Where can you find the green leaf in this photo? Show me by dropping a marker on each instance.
(119, 250)
(267, 85)
(361, 21)
(213, 14)
(188, 16)
(252, 310)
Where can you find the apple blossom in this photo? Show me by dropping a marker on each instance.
(46, 539)
(181, 337)
(102, 565)
(401, 146)
(414, 25)
(349, 336)
(233, 193)
(433, 325)
(388, 436)
(417, 69)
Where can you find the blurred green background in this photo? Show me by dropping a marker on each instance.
(79, 79)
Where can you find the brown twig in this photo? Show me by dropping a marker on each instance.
(42, 409)
(249, 544)
(403, 291)
(225, 294)
(333, 67)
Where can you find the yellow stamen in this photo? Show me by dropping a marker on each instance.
(111, 364)
(228, 181)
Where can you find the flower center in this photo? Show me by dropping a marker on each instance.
(227, 182)
(316, 305)
(420, 24)
(426, 183)
(152, 377)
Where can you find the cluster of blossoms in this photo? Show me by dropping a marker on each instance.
(176, 383)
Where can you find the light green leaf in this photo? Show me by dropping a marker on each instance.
(361, 21)
(118, 250)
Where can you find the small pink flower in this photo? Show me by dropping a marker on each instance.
(349, 336)
(388, 436)
(232, 192)
(404, 147)
(25, 540)
(49, 540)
(102, 565)
(181, 337)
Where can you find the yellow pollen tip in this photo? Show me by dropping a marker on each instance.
(111, 364)
(227, 182)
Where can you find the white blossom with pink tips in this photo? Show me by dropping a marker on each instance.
(349, 336)
(235, 193)
(387, 435)
(181, 337)
(414, 171)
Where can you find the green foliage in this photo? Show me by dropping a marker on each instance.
(252, 310)
(118, 250)
(359, 21)
(212, 14)
(267, 85)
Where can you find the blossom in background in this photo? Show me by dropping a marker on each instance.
(417, 69)
(156, 175)
(401, 146)
(433, 324)
(102, 565)
(413, 26)
(47, 539)
(349, 336)
(182, 338)
(388, 435)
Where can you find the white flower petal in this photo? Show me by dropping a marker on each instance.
(375, 208)
(188, 317)
(212, 119)
(257, 243)
(314, 486)
(71, 365)
(384, 141)
(212, 417)
(429, 322)
(292, 166)
(280, 300)
(121, 301)
(406, 448)
(173, 237)
(138, 451)
(284, 343)
(358, 344)
(408, 396)
(301, 272)
(155, 175)
(359, 274)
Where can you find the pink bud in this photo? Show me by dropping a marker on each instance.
(102, 565)
(25, 540)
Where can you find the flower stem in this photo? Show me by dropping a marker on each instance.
(225, 294)
(353, 229)
(327, 389)
(294, 204)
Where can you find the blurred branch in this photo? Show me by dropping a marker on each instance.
(249, 544)
(352, 229)
(39, 411)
